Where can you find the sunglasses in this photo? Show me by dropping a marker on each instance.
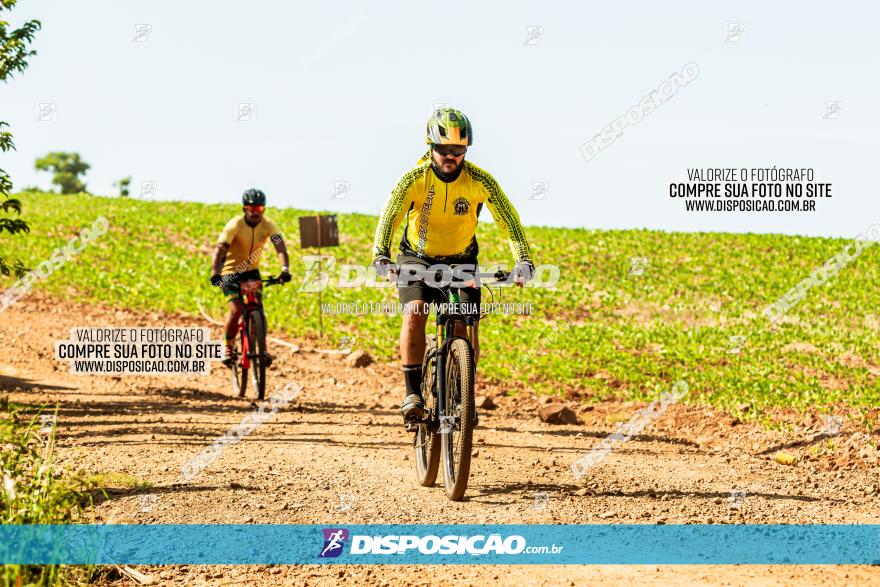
(446, 150)
(254, 208)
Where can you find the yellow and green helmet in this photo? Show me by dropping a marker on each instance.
(448, 126)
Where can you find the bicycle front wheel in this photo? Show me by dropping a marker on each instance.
(258, 352)
(457, 427)
(239, 372)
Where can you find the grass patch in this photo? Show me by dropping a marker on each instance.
(633, 337)
(117, 480)
(35, 491)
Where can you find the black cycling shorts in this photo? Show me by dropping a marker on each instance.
(420, 291)
(230, 281)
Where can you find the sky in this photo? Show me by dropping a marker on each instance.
(323, 105)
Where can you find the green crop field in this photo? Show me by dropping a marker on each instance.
(601, 332)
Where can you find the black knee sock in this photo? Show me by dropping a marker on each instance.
(412, 377)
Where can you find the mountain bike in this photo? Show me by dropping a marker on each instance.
(249, 349)
(448, 374)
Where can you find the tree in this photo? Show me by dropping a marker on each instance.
(13, 59)
(66, 167)
(123, 184)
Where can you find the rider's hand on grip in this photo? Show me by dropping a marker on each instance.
(385, 268)
(284, 277)
(523, 272)
(216, 279)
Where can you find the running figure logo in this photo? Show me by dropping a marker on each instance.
(334, 541)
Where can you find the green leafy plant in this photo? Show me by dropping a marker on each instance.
(34, 491)
(14, 51)
(632, 336)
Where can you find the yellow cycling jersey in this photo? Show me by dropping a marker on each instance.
(441, 218)
(245, 243)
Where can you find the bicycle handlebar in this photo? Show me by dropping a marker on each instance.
(500, 276)
(267, 281)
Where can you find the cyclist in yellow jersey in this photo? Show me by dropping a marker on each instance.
(439, 202)
(237, 257)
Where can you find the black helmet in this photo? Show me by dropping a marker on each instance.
(253, 197)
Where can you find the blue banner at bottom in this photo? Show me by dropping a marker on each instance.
(369, 544)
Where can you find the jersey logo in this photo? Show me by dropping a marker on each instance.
(460, 206)
(423, 222)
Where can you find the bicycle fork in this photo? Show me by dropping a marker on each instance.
(244, 326)
(245, 341)
(446, 421)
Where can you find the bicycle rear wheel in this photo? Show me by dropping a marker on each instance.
(258, 352)
(427, 441)
(457, 431)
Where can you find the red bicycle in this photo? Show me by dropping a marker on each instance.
(249, 350)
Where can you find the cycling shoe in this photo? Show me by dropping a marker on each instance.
(413, 407)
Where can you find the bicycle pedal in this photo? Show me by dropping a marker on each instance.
(414, 420)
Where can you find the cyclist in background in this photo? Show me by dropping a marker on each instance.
(237, 257)
(439, 201)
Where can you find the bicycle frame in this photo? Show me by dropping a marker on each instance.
(445, 325)
(448, 374)
(445, 335)
(250, 302)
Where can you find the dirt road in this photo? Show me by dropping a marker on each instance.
(338, 454)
